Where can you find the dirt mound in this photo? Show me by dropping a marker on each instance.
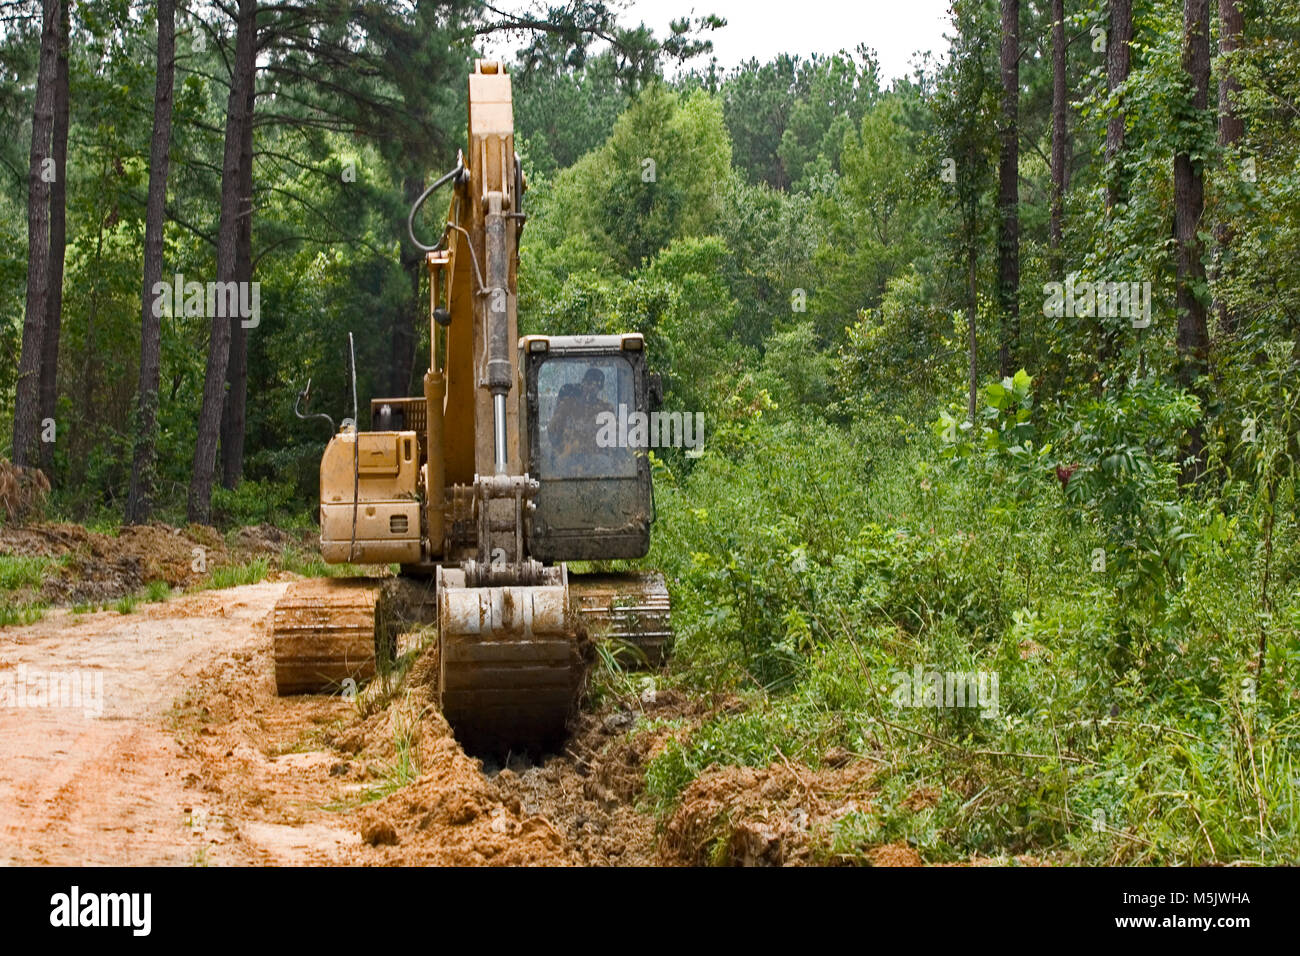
(95, 567)
(453, 816)
(778, 815)
(45, 540)
(592, 792)
(266, 539)
(894, 854)
(374, 781)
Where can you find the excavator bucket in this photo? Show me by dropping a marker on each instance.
(510, 663)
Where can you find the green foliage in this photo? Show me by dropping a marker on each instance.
(564, 114)
(871, 215)
(20, 572)
(235, 575)
(800, 376)
(907, 331)
(1125, 448)
(661, 175)
(743, 740)
(255, 502)
(809, 569)
(1003, 428)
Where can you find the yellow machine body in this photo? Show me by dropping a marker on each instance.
(441, 488)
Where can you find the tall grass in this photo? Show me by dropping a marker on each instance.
(235, 575)
(812, 570)
(18, 572)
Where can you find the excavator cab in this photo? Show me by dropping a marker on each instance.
(587, 407)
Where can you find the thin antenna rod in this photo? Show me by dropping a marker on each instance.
(356, 451)
(352, 361)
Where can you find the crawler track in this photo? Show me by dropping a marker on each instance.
(323, 633)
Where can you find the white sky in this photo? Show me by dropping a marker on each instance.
(895, 29)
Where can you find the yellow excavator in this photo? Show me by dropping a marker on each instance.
(486, 485)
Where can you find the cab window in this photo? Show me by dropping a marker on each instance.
(581, 404)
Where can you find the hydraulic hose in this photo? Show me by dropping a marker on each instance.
(459, 174)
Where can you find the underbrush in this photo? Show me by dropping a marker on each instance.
(259, 502)
(832, 579)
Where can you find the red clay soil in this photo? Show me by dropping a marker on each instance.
(192, 758)
(770, 816)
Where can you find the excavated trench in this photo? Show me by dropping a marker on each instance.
(190, 757)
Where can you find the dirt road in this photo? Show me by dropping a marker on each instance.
(103, 779)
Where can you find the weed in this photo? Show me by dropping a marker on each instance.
(21, 614)
(236, 575)
(405, 767)
(18, 572)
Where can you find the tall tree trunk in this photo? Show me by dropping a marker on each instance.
(139, 502)
(87, 425)
(1058, 136)
(214, 382)
(1231, 129)
(27, 400)
(234, 418)
(972, 314)
(406, 310)
(1118, 62)
(1009, 190)
(58, 236)
(1118, 57)
(1189, 204)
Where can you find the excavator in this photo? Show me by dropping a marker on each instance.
(485, 486)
